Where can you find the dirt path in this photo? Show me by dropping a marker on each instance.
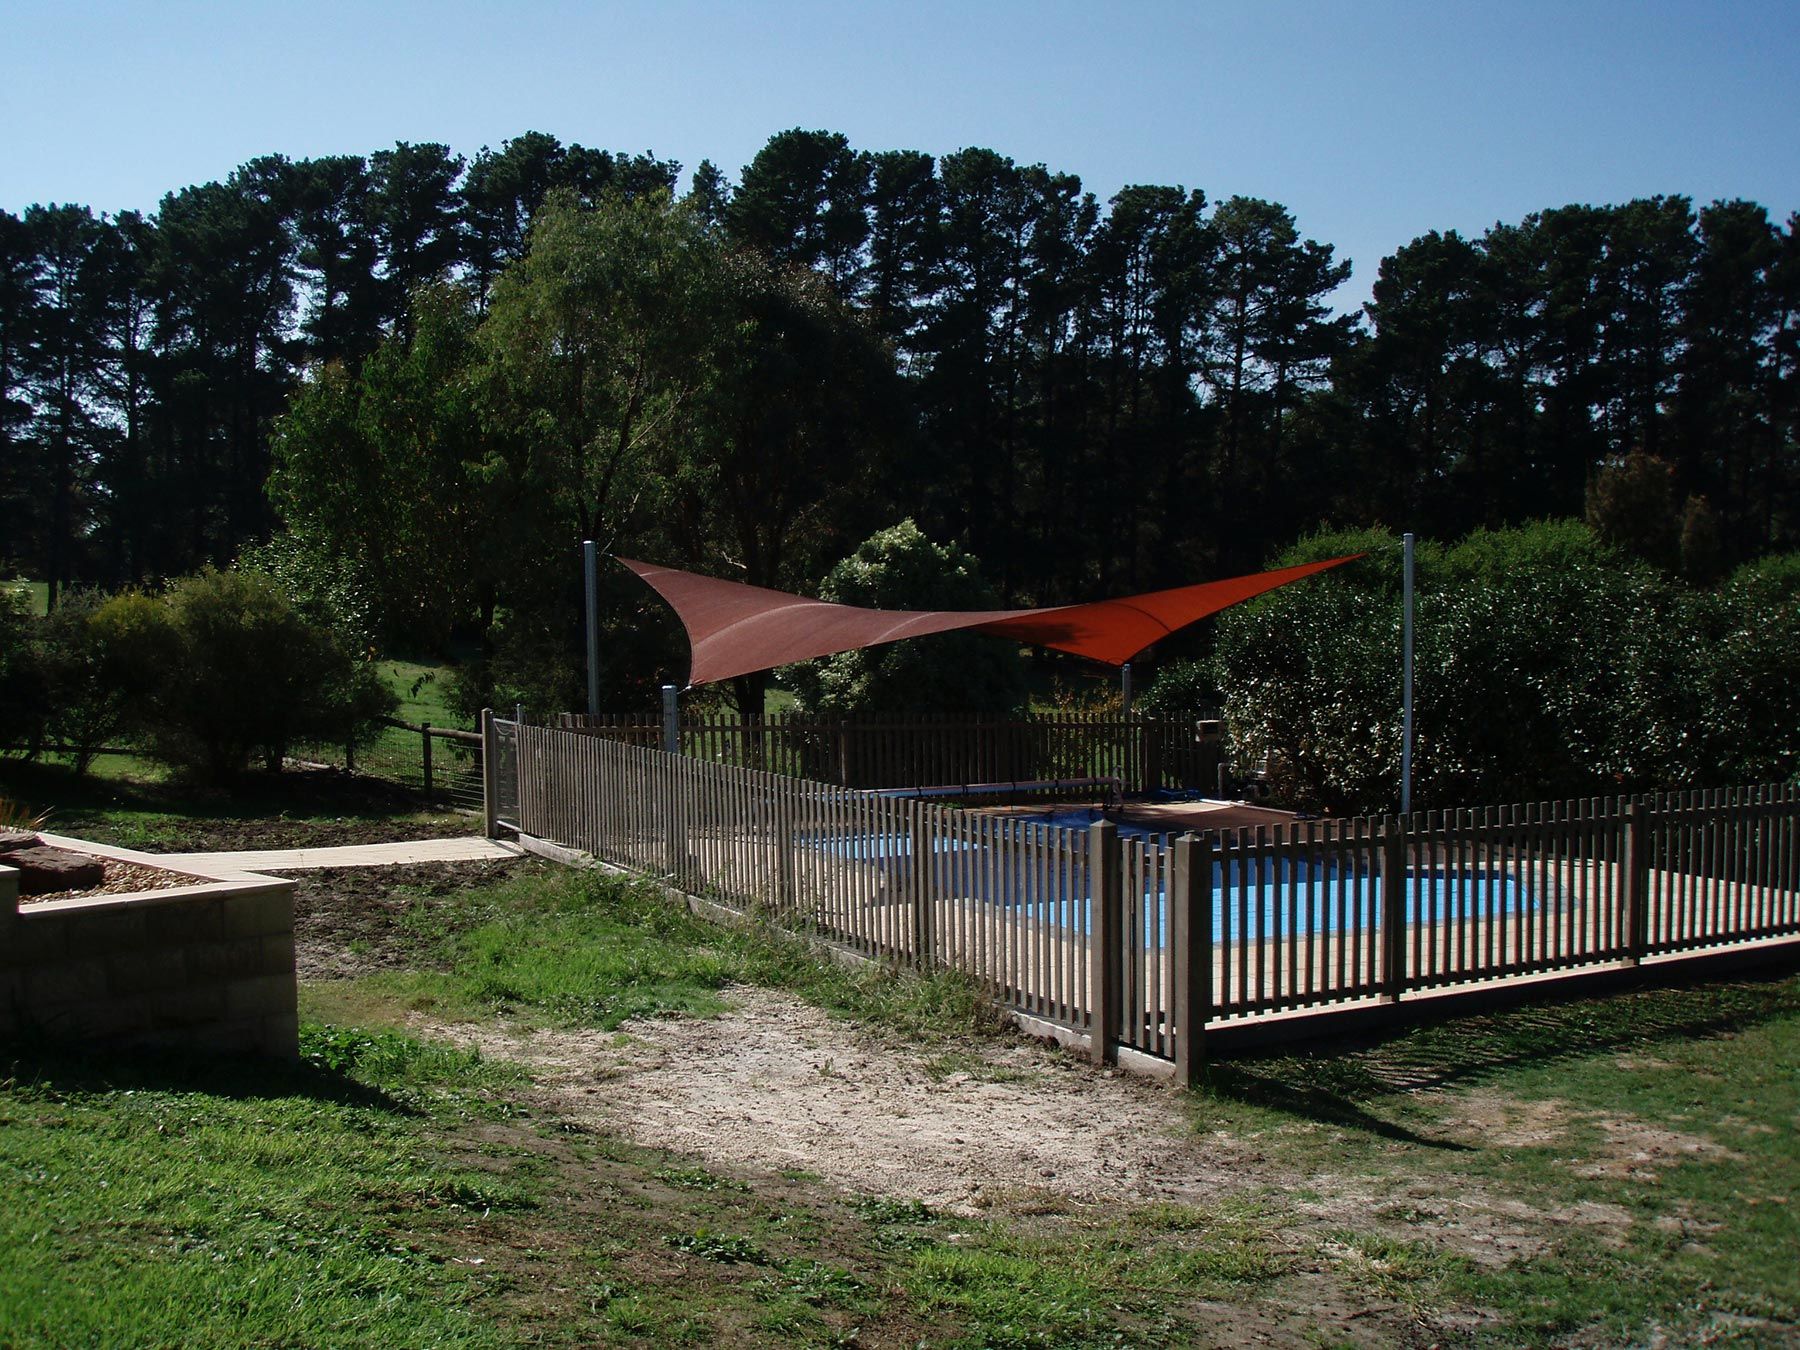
(774, 1084)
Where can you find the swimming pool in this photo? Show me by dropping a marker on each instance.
(1291, 894)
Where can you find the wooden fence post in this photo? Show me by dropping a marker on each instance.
(674, 806)
(1393, 910)
(1190, 941)
(490, 804)
(923, 889)
(1106, 939)
(1634, 864)
(425, 757)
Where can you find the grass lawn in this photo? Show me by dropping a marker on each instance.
(131, 802)
(423, 689)
(393, 1191)
(36, 592)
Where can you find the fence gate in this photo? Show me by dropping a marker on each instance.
(505, 771)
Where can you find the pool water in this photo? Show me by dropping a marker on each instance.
(1294, 895)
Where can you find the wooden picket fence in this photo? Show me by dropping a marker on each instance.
(1143, 942)
(1143, 753)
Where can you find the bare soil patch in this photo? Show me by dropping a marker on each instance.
(774, 1084)
(348, 920)
(1636, 1151)
(234, 836)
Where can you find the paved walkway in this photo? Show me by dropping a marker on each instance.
(474, 848)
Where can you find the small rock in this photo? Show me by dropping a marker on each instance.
(11, 841)
(43, 869)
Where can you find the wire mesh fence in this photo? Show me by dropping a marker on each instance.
(443, 764)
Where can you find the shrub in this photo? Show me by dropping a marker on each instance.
(1747, 640)
(1547, 664)
(253, 678)
(21, 672)
(899, 568)
(102, 662)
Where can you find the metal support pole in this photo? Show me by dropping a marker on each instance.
(1125, 688)
(671, 719)
(1406, 695)
(590, 568)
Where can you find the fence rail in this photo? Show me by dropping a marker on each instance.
(1143, 753)
(1141, 942)
(442, 763)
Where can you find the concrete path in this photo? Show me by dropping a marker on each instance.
(471, 849)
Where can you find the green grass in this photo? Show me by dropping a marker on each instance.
(1700, 1081)
(566, 948)
(424, 691)
(132, 802)
(163, 1202)
(387, 1191)
(36, 592)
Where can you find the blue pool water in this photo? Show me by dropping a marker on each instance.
(1293, 895)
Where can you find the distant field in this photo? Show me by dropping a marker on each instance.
(424, 691)
(39, 592)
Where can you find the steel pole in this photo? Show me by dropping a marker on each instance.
(590, 568)
(671, 719)
(1406, 696)
(1125, 687)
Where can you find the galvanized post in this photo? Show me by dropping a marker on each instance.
(1106, 937)
(1190, 939)
(671, 719)
(490, 783)
(590, 567)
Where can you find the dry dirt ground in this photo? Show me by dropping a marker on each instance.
(775, 1084)
(779, 1093)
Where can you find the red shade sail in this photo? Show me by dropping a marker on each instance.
(734, 629)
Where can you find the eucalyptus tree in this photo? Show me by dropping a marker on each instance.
(381, 474)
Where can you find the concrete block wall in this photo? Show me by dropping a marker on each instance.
(207, 967)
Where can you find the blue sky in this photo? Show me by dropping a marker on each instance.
(1372, 122)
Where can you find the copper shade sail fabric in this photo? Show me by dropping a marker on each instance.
(734, 629)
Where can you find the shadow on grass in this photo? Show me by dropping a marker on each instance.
(1337, 1082)
(256, 795)
(64, 1070)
